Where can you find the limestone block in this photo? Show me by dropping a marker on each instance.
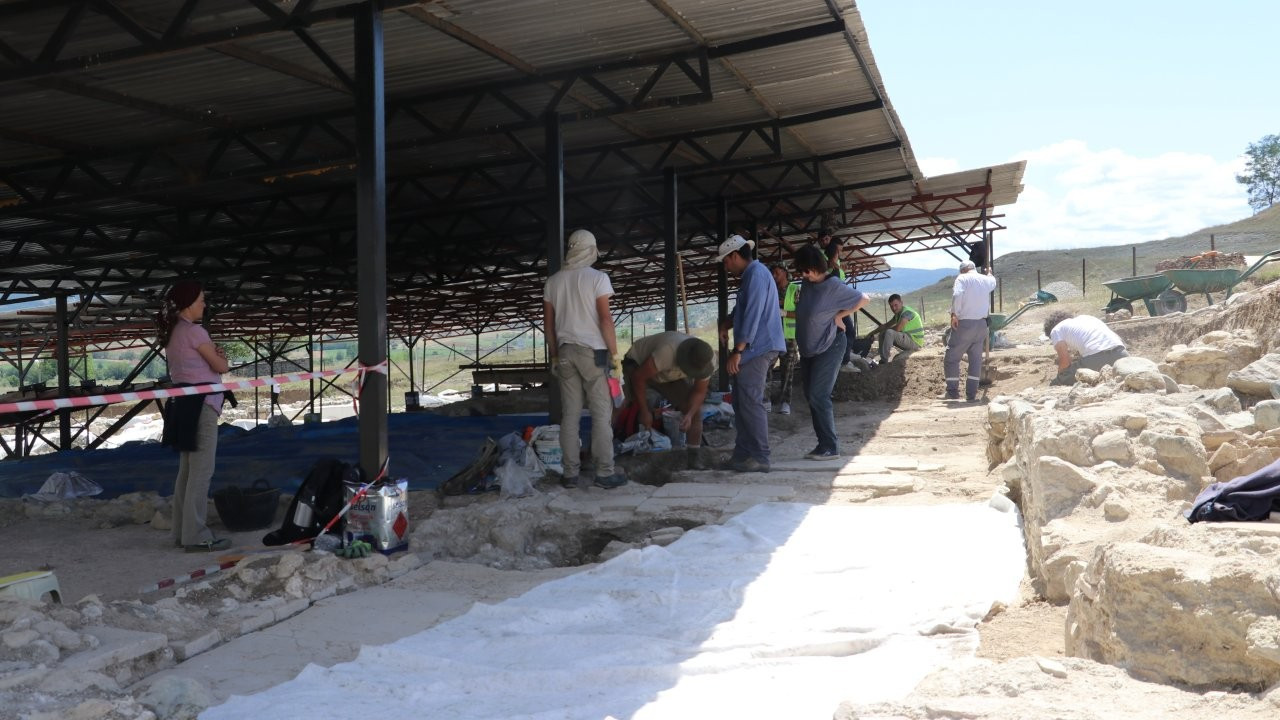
(185, 650)
(1207, 366)
(1127, 366)
(1266, 414)
(997, 413)
(1180, 455)
(1115, 511)
(1223, 400)
(1225, 455)
(1056, 488)
(1255, 379)
(172, 695)
(614, 549)
(160, 520)
(1113, 445)
(1087, 376)
(664, 536)
(1144, 380)
(1144, 603)
(1264, 639)
(1242, 421)
(1213, 440)
(1133, 421)
(288, 565)
(1256, 460)
(1206, 419)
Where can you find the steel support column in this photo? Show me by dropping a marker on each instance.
(64, 373)
(555, 194)
(371, 234)
(670, 233)
(722, 296)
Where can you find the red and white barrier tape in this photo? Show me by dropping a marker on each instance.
(92, 400)
(193, 575)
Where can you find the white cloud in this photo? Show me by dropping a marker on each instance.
(1075, 197)
(931, 166)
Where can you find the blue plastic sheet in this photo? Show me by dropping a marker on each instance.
(424, 448)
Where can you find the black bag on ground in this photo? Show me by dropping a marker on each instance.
(317, 501)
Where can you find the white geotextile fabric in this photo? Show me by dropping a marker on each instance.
(782, 612)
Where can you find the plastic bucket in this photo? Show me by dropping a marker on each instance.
(251, 509)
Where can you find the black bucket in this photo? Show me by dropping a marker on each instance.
(251, 509)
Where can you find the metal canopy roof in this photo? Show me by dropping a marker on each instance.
(142, 140)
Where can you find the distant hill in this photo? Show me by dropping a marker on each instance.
(1017, 272)
(904, 280)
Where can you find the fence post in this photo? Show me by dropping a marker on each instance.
(1211, 242)
(1037, 281)
(1000, 292)
(1134, 272)
(922, 317)
(1084, 283)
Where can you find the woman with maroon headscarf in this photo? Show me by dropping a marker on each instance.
(191, 423)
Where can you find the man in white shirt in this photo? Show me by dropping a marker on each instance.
(970, 306)
(580, 331)
(1085, 336)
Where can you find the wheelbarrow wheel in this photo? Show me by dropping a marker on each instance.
(1171, 301)
(1118, 304)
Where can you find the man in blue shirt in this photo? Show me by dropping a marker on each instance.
(757, 341)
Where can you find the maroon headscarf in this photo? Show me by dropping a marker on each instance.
(179, 298)
(183, 293)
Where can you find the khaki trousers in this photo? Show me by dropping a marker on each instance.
(191, 489)
(582, 382)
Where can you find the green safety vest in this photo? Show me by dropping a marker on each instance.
(914, 327)
(789, 311)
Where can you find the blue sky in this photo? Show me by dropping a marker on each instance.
(1132, 115)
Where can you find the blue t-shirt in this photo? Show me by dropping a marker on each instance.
(755, 316)
(816, 313)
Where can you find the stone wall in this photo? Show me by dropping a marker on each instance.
(1104, 471)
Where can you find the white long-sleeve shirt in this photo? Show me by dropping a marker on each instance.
(971, 295)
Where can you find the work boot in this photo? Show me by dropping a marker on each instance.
(786, 408)
(609, 482)
(748, 465)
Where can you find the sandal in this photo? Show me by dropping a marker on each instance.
(207, 545)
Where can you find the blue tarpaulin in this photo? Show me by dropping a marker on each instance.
(424, 448)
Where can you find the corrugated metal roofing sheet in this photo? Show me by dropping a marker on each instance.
(486, 234)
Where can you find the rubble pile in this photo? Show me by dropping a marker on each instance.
(1105, 470)
(1212, 260)
(137, 508)
(60, 661)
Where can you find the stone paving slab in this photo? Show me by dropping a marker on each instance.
(763, 493)
(115, 646)
(683, 505)
(696, 490)
(879, 484)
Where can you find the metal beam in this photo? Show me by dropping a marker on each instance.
(371, 233)
(670, 232)
(554, 174)
(216, 28)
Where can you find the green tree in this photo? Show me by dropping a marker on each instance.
(1262, 173)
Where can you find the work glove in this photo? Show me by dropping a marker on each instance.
(616, 364)
(357, 549)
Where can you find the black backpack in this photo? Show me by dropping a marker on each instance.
(317, 501)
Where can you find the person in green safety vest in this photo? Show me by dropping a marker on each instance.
(904, 330)
(788, 292)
